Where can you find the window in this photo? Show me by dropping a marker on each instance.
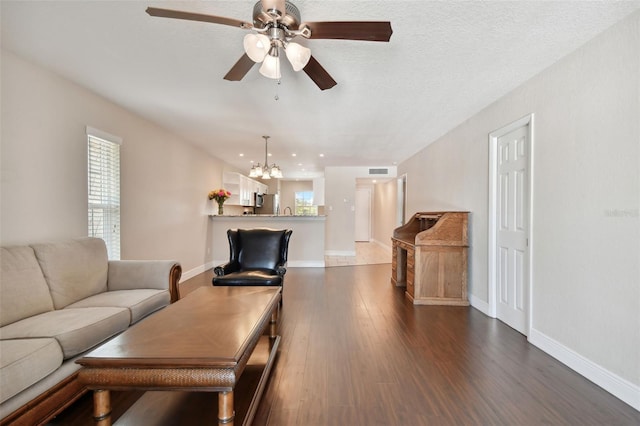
(103, 171)
(304, 204)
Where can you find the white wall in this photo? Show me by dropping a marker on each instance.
(586, 198)
(288, 189)
(384, 212)
(164, 179)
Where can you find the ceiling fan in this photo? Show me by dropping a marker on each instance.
(275, 24)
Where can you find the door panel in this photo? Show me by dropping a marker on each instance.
(363, 215)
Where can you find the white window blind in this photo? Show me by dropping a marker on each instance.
(103, 152)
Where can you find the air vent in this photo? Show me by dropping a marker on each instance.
(378, 171)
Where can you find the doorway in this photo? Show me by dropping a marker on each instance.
(510, 206)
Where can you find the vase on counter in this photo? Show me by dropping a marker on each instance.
(220, 208)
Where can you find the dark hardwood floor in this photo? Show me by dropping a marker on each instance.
(355, 351)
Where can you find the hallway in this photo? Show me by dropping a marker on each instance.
(370, 253)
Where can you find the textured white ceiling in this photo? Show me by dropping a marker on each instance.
(446, 61)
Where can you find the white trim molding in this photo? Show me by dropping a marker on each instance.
(527, 120)
(101, 134)
(479, 304)
(339, 253)
(386, 247)
(305, 264)
(612, 383)
(198, 270)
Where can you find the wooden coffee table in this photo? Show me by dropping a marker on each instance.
(199, 343)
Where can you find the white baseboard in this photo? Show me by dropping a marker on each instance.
(339, 253)
(387, 247)
(306, 264)
(612, 383)
(197, 270)
(479, 304)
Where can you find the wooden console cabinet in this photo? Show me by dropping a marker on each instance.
(430, 258)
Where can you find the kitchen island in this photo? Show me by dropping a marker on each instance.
(306, 247)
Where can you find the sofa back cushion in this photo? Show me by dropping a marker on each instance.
(74, 269)
(23, 289)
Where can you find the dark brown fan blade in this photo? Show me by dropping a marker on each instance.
(318, 74)
(240, 69)
(190, 16)
(355, 30)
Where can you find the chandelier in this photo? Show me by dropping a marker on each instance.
(265, 171)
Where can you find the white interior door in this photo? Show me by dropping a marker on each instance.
(511, 227)
(363, 215)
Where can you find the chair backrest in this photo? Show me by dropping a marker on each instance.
(259, 248)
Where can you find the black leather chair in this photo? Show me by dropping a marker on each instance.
(256, 257)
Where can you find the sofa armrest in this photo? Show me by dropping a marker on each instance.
(138, 274)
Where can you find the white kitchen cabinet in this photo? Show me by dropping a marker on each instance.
(231, 182)
(242, 189)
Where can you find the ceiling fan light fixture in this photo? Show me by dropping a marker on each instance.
(271, 65)
(256, 46)
(298, 55)
(275, 8)
(275, 23)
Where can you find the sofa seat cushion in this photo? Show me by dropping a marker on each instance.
(140, 302)
(256, 277)
(24, 362)
(76, 330)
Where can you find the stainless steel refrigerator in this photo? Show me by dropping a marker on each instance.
(270, 204)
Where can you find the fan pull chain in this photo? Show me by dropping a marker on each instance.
(276, 97)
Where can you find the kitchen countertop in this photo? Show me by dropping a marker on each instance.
(306, 247)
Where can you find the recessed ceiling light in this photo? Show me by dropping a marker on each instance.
(293, 155)
(241, 155)
(321, 155)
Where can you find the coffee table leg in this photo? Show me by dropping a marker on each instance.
(102, 407)
(225, 408)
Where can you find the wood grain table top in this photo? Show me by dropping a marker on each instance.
(211, 327)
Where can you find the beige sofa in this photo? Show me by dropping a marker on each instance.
(57, 301)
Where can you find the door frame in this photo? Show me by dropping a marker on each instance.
(527, 120)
